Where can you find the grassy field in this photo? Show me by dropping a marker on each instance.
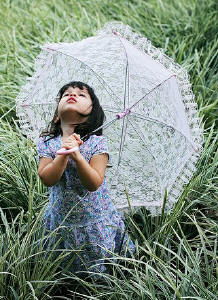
(176, 253)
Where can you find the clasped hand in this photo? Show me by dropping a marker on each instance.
(72, 141)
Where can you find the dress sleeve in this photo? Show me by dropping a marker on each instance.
(43, 149)
(100, 146)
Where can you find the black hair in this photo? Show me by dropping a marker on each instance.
(95, 118)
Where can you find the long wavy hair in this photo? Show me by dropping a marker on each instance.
(95, 118)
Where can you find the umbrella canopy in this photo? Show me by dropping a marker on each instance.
(154, 133)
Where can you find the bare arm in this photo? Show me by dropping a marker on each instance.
(91, 174)
(50, 171)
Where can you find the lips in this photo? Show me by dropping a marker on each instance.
(71, 100)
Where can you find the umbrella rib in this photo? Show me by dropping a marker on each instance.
(98, 76)
(123, 135)
(110, 109)
(151, 91)
(126, 74)
(127, 70)
(104, 126)
(34, 104)
(160, 122)
(142, 137)
(121, 145)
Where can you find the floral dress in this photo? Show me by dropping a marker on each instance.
(84, 220)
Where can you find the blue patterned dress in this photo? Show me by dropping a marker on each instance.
(84, 220)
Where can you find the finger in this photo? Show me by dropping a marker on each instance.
(77, 136)
(71, 139)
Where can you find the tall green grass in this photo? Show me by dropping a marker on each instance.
(27, 271)
(20, 185)
(176, 253)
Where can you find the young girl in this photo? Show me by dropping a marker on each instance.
(79, 198)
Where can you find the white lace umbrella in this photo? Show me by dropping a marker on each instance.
(153, 129)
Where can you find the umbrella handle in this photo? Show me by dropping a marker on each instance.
(64, 151)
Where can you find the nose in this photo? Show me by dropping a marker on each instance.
(73, 94)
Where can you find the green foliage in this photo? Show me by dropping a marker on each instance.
(20, 185)
(27, 271)
(176, 253)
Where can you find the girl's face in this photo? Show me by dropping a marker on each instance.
(74, 101)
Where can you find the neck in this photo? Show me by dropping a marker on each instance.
(68, 126)
(67, 129)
